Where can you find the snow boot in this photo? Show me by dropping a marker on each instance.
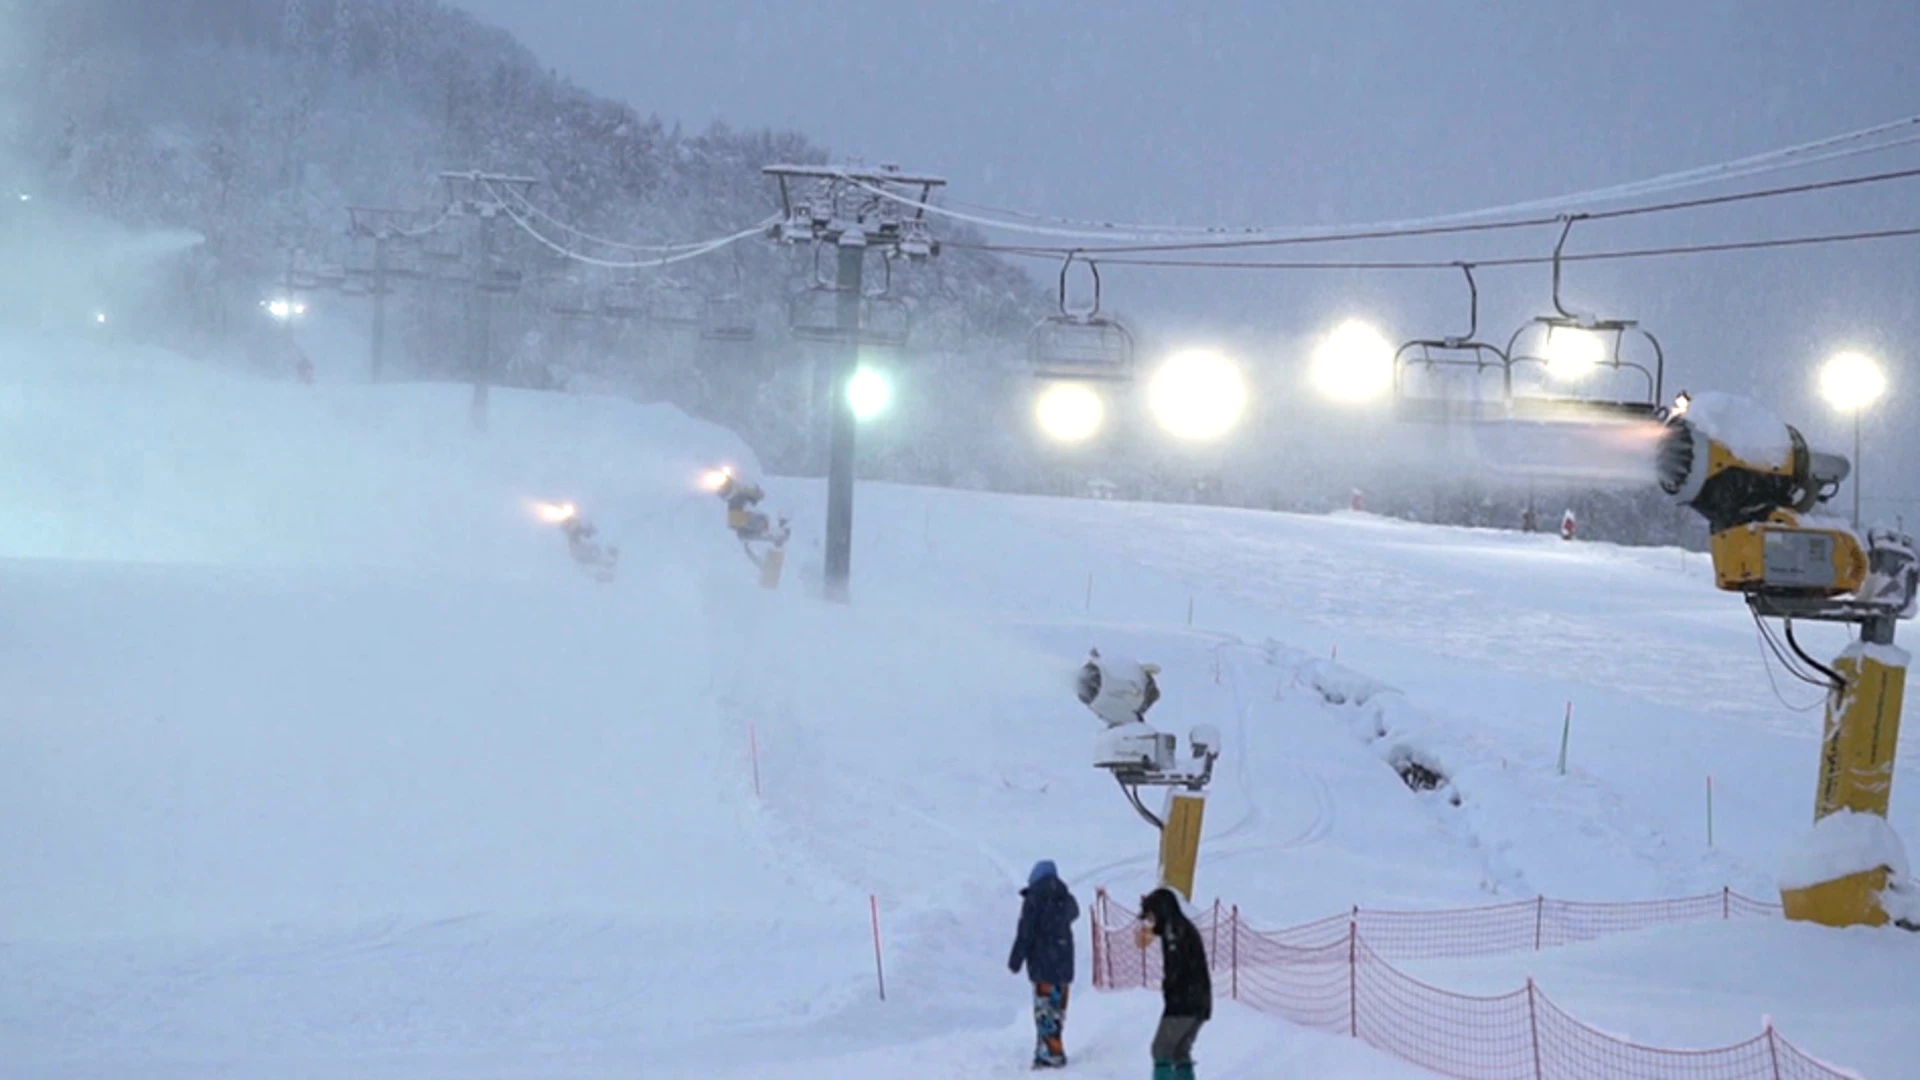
(1183, 1071)
(1163, 1070)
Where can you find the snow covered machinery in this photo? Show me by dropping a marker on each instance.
(1120, 691)
(1080, 344)
(763, 539)
(1758, 484)
(599, 561)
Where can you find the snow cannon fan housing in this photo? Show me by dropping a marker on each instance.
(1751, 477)
(1117, 690)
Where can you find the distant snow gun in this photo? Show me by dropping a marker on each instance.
(1120, 691)
(763, 539)
(600, 561)
(1758, 484)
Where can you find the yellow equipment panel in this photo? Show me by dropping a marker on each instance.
(1180, 840)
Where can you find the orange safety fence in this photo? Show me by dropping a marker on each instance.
(1336, 975)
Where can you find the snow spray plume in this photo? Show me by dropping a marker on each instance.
(62, 270)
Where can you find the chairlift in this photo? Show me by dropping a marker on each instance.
(571, 299)
(623, 300)
(1424, 364)
(1571, 345)
(884, 321)
(813, 313)
(676, 306)
(500, 280)
(728, 318)
(1080, 344)
(437, 247)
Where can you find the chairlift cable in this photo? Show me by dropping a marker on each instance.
(1477, 227)
(535, 211)
(1453, 264)
(1830, 148)
(706, 248)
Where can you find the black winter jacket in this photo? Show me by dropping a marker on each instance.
(1045, 939)
(1186, 986)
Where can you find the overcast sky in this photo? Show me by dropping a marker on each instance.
(1253, 111)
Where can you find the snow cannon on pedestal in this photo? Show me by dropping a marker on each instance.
(1120, 691)
(763, 539)
(600, 561)
(1759, 484)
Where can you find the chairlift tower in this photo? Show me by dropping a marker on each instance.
(383, 226)
(481, 197)
(852, 210)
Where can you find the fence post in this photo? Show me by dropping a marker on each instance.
(1539, 919)
(1107, 953)
(1773, 1050)
(1726, 902)
(1533, 1030)
(1095, 922)
(1213, 946)
(1353, 974)
(1143, 964)
(1236, 952)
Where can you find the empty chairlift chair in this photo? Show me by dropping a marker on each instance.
(1083, 345)
(1571, 364)
(1456, 377)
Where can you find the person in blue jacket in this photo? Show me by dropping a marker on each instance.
(1044, 946)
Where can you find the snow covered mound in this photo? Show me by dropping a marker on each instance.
(141, 455)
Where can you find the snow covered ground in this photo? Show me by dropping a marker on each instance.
(319, 758)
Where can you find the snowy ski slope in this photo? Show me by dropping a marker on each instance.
(319, 758)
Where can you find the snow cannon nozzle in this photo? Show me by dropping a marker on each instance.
(556, 513)
(718, 480)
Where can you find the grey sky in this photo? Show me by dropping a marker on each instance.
(1239, 111)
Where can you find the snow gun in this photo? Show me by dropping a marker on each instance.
(1760, 487)
(764, 540)
(599, 561)
(1120, 691)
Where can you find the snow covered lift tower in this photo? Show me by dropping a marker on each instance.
(1576, 347)
(483, 199)
(853, 210)
(1757, 483)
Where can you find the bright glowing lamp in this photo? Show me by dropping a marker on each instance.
(1197, 394)
(1069, 412)
(1851, 381)
(1353, 363)
(869, 393)
(1574, 354)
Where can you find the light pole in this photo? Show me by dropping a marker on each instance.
(1851, 381)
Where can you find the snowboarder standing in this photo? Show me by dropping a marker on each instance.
(1044, 945)
(1184, 983)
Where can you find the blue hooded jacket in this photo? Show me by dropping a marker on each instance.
(1044, 944)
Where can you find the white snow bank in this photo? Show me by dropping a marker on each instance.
(1842, 844)
(1743, 425)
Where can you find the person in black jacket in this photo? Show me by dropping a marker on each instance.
(1184, 984)
(1044, 945)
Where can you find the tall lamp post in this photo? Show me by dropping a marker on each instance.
(1851, 381)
